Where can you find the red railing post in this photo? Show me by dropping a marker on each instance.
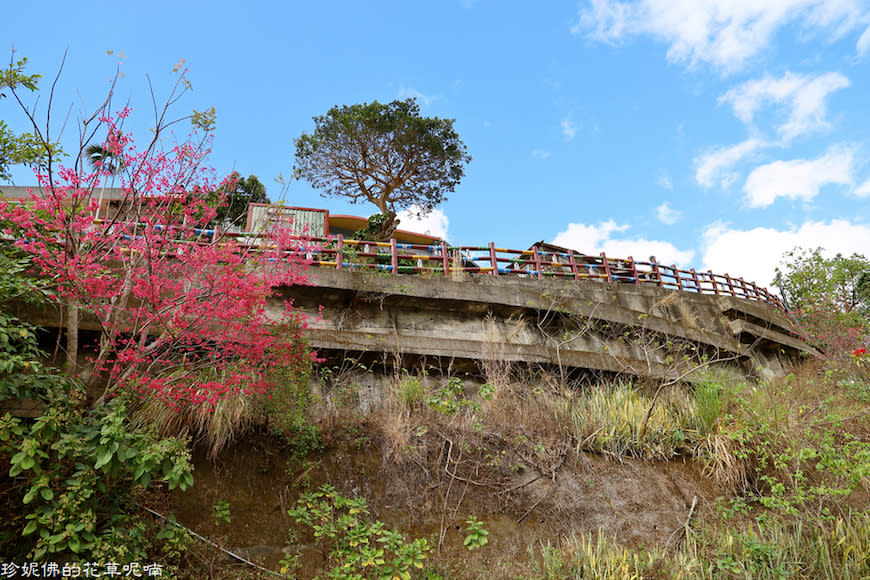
(445, 260)
(697, 281)
(730, 284)
(743, 285)
(658, 273)
(678, 276)
(394, 258)
(713, 281)
(493, 259)
(633, 269)
(606, 267)
(339, 252)
(537, 259)
(573, 263)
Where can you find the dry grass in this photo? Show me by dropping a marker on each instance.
(721, 463)
(398, 431)
(214, 427)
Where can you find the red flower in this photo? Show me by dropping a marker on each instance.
(859, 352)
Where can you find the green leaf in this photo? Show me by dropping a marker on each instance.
(103, 457)
(30, 495)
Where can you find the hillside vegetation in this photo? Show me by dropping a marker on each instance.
(515, 475)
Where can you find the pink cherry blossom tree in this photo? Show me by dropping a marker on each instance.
(181, 310)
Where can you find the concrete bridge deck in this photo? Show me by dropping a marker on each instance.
(474, 319)
(571, 324)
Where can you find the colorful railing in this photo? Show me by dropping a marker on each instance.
(446, 260)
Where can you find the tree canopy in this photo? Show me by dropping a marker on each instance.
(236, 194)
(386, 154)
(842, 283)
(829, 297)
(26, 148)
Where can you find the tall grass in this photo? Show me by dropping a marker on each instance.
(610, 419)
(836, 550)
(583, 556)
(214, 426)
(712, 398)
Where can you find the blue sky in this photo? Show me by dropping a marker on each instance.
(709, 134)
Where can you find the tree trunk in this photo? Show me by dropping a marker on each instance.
(72, 338)
(387, 227)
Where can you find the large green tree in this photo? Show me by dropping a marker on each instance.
(236, 195)
(386, 154)
(829, 297)
(31, 149)
(808, 278)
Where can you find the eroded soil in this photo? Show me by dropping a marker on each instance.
(639, 503)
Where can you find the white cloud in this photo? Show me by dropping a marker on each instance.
(863, 189)
(594, 239)
(713, 167)
(433, 223)
(798, 179)
(802, 94)
(723, 33)
(411, 93)
(540, 153)
(754, 254)
(569, 130)
(667, 215)
(665, 182)
(863, 43)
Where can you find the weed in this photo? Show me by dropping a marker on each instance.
(221, 512)
(411, 391)
(450, 399)
(476, 534)
(175, 540)
(355, 546)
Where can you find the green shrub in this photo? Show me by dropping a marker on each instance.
(82, 472)
(411, 391)
(356, 547)
(450, 399)
(288, 410)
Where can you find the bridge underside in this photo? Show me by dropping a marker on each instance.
(568, 325)
(571, 327)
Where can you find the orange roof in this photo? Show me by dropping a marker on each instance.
(353, 222)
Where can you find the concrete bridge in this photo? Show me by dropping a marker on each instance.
(632, 318)
(562, 324)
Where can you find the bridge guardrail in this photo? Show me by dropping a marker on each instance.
(446, 260)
